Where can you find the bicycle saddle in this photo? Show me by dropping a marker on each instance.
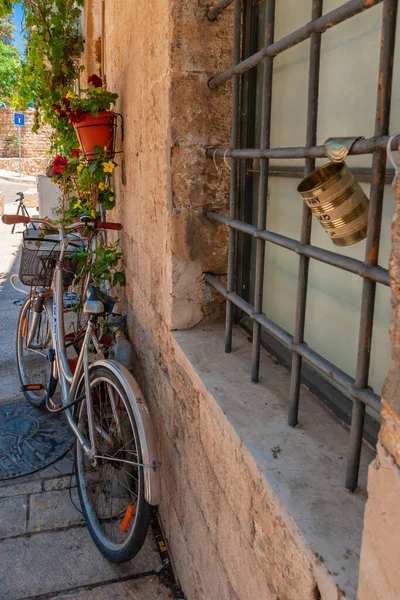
(98, 302)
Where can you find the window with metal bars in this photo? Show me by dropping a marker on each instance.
(283, 68)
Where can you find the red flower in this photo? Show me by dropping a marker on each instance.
(76, 152)
(59, 110)
(66, 101)
(96, 81)
(60, 163)
(77, 115)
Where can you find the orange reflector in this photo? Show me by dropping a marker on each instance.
(24, 327)
(36, 386)
(130, 511)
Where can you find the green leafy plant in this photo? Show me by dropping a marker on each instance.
(104, 267)
(91, 100)
(85, 184)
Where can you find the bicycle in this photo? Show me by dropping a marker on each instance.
(116, 463)
(21, 210)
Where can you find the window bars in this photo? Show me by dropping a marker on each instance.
(369, 270)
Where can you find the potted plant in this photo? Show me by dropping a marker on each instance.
(91, 115)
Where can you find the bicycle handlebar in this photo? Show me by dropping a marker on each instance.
(14, 219)
(109, 225)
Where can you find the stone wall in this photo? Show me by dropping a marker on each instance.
(34, 145)
(380, 555)
(29, 166)
(160, 67)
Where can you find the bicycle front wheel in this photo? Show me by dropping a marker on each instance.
(111, 487)
(32, 359)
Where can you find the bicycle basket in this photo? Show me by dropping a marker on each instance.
(39, 256)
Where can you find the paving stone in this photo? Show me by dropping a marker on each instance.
(52, 562)
(52, 510)
(59, 484)
(65, 465)
(148, 588)
(13, 516)
(17, 489)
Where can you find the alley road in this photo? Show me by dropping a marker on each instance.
(10, 189)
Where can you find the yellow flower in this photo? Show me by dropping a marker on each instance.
(102, 186)
(70, 94)
(105, 149)
(108, 166)
(79, 168)
(93, 213)
(77, 204)
(111, 198)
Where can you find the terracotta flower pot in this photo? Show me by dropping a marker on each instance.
(97, 131)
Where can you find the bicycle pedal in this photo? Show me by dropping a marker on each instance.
(32, 387)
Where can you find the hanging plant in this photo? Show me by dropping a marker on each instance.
(85, 185)
(89, 113)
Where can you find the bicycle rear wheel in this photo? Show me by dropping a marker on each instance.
(32, 362)
(111, 488)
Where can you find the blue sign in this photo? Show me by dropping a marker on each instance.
(19, 119)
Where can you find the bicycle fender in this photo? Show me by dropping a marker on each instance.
(145, 427)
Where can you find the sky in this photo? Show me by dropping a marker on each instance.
(17, 18)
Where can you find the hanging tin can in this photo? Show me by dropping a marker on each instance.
(338, 202)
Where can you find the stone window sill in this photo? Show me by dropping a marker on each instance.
(304, 467)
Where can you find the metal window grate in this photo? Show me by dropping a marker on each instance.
(357, 387)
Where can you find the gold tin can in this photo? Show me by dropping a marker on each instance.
(338, 202)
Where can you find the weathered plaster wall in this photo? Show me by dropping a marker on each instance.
(34, 145)
(380, 553)
(92, 31)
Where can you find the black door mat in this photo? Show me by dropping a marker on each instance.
(30, 439)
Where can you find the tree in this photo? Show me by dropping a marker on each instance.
(9, 55)
(9, 69)
(6, 30)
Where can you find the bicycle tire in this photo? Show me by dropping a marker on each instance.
(92, 480)
(33, 365)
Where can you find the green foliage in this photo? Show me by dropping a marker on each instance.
(51, 66)
(93, 99)
(6, 30)
(9, 69)
(85, 183)
(105, 265)
(6, 7)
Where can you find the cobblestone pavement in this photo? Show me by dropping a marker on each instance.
(10, 188)
(45, 549)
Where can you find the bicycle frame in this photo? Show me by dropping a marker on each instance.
(70, 381)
